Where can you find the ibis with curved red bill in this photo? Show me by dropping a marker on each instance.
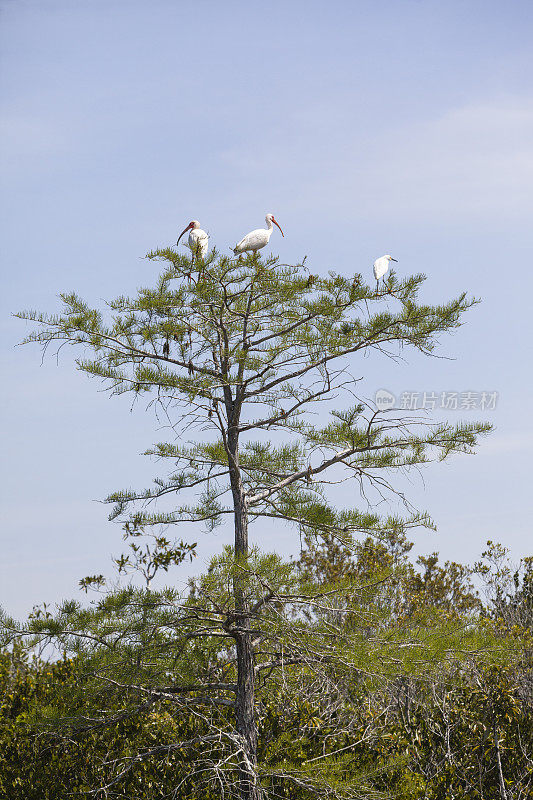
(198, 240)
(259, 238)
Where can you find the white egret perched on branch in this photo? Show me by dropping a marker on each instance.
(198, 239)
(257, 239)
(381, 266)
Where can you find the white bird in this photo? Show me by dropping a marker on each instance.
(257, 239)
(381, 266)
(198, 239)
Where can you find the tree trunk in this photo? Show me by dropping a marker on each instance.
(503, 792)
(245, 696)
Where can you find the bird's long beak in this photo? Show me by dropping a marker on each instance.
(394, 259)
(189, 226)
(279, 226)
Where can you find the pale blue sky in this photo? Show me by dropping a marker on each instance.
(401, 126)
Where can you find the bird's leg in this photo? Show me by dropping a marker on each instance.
(377, 286)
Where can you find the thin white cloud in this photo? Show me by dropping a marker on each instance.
(470, 163)
(501, 444)
(475, 161)
(22, 135)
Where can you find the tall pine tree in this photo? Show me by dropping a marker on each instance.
(239, 354)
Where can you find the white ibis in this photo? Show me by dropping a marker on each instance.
(381, 266)
(257, 239)
(198, 239)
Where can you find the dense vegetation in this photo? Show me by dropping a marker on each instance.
(468, 734)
